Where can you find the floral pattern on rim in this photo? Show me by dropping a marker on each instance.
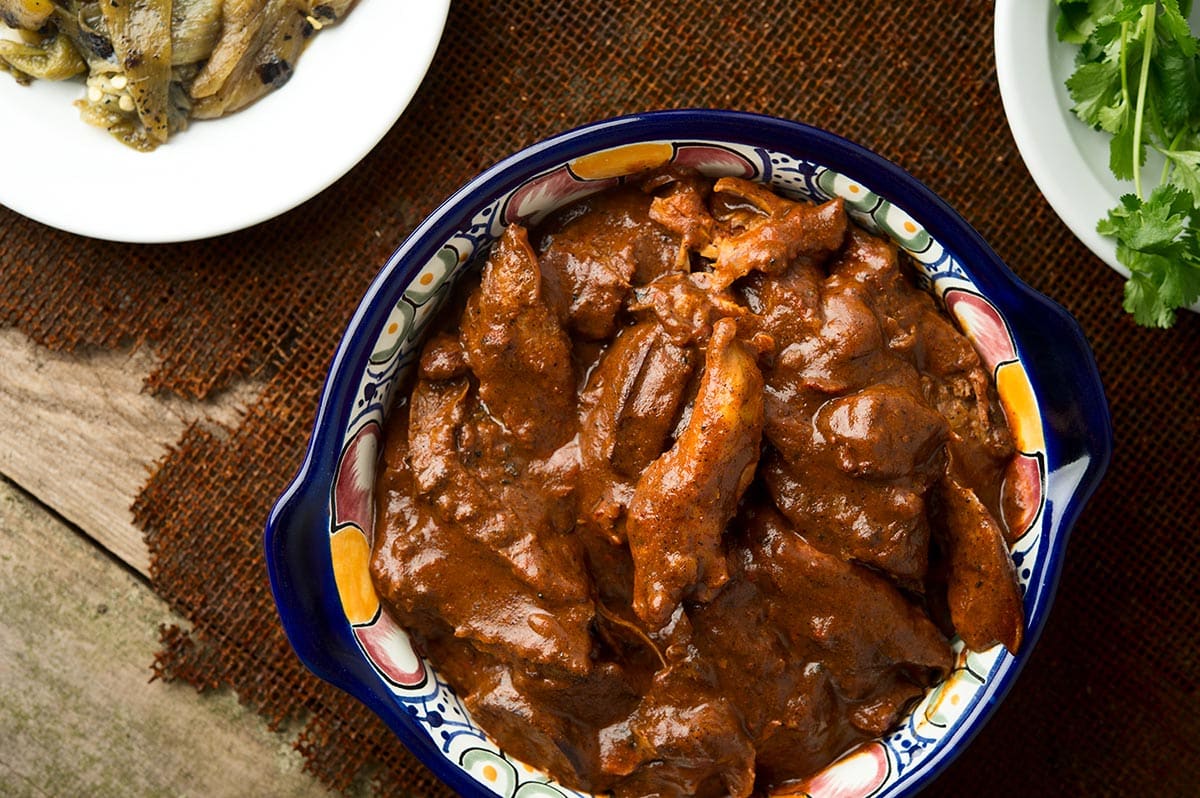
(858, 774)
(582, 177)
(868, 770)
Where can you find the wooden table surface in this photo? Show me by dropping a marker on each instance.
(79, 715)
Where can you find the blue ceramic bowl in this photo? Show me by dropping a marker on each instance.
(319, 533)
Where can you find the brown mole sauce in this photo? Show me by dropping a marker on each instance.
(689, 492)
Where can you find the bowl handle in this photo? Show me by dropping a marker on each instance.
(1069, 388)
(296, 541)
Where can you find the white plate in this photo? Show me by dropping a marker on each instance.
(348, 89)
(1068, 160)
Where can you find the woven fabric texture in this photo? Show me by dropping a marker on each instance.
(1108, 704)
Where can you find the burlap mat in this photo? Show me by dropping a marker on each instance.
(1108, 704)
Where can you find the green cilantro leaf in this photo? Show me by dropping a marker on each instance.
(1176, 25)
(1143, 301)
(1120, 148)
(1186, 174)
(1156, 242)
(1150, 226)
(1103, 44)
(1077, 19)
(1178, 78)
(1181, 283)
(1131, 10)
(1159, 285)
(1096, 90)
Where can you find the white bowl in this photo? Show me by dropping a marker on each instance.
(1067, 158)
(349, 87)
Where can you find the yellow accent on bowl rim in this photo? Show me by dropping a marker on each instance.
(621, 161)
(1020, 407)
(351, 554)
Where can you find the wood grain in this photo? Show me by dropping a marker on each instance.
(80, 434)
(78, 715)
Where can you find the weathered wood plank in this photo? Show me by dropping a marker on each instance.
(77, 716)
(80, 434)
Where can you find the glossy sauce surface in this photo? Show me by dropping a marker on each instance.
(691, 489)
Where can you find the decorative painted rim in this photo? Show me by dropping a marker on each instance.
(318, 535)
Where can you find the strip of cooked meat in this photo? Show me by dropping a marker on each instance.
(518, 349)
(685, 498)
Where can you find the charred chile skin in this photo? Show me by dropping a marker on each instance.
(152, 66)
(275, 72)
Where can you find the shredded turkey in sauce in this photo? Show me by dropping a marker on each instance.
(691, 490)
(151, 65)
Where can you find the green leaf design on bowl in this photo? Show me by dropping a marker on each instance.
(433, 276)
(397, 328)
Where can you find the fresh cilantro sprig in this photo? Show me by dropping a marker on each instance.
(1137, 77)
